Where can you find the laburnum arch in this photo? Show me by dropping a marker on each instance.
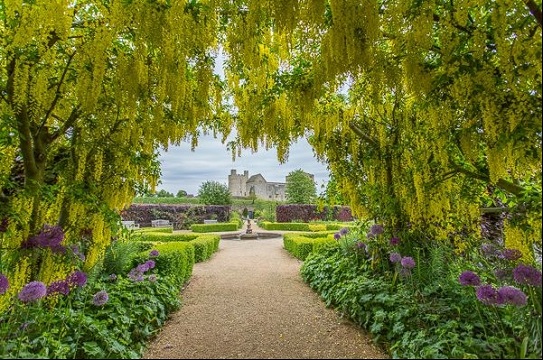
(422, 110)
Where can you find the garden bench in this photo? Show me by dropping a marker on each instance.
(210, 221)
(130, 224)
(160, 223)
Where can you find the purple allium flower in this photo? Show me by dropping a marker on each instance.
(112, 277)
(154, 253)
(32, 291)
(360, 245)
(135, 275)
(152, 278)
(49, 237)
(511, 295)
(344, 231)
(4, 284)
(487, 294)
(408, 262)
(489, 250)
(376, 229)
(100, 298)
(501, 274)
(77, 278)
(142, 267)
(59, 286)
(395, 257)
(528, 275)
(337, 236)
(150, 264)
(394, 241)
(469, 278)
(510, 254)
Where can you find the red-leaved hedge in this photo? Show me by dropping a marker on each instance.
(181, 216)
(306, 213)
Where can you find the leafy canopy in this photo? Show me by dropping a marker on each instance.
(300, 188)
(214, 193)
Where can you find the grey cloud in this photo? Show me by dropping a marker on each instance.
(212, 161)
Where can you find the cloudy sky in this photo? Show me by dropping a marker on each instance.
(183, 169)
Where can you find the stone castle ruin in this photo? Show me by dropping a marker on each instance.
(243, 186)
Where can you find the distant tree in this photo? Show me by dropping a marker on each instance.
(252, 195)
(181, 193)
(164, 193)
(214, 193)
(332, 194)
(300, 188)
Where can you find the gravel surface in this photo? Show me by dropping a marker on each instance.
(249, 301)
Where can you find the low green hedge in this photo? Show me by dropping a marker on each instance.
(266, 225)
(175, 259)
(164, 237)
(204, 246)
(205, 228)
(301, 245)
(339, 226)
(166, 230)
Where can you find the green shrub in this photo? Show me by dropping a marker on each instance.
(75, 328)
(317, 227)
(266, 225)
(164, 237)
(120, 255)
(236, 218)
(162, 230)
(205, 246)
(301, 246)
(205, 228)
(339, 226)
(175, 259)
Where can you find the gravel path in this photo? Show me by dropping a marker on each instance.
(249, 301)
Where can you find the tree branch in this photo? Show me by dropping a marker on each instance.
(67, 124)
(501, 183)
(534, 10)
(360, 133)
(57, 92)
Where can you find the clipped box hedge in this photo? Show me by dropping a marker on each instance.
(162, 230)
(206, 228)
(292, 226)
(203, 245)
(164, 237)
(339, 226)
(301, 245)
(175, 259)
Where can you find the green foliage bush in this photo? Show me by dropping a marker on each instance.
(424, 311)
(73, 327)
(164, 237)
(176, 260)
(205, 246)
(205, 228)
(293, 226)
(300, 245)
(119, 257)
(162, 230)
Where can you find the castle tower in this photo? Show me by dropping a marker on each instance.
(237, 183)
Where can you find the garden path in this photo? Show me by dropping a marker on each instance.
(249, 301)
